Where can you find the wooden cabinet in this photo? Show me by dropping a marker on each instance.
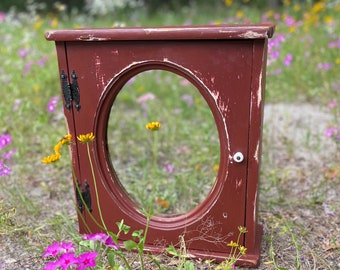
(227, 64)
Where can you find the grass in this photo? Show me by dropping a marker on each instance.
(177, 187)
(300, 171)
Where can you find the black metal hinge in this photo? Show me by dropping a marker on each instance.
(70, 90)
(83, 197)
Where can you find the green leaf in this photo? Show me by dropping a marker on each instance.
(138, 234)
(111, 259)
(172, 251)
(189, 266)
(123, 227)
(129, 245)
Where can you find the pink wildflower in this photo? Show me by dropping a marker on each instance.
(332, 104)
(53, 250)
(146, 97)
(66, 260)
(87, 259)
(103, 238)
(52, 104)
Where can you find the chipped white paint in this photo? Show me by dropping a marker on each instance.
(259, 91)
(115, 52)
(255, 205)
(49, 34)
(251, 35)
(91, 37)
(256, 154)
(238, 183)
(98, 72)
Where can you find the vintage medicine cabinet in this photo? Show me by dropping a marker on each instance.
(227, 65)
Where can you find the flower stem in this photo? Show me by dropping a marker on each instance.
(95, 188)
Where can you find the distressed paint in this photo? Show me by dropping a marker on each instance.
(99, 73)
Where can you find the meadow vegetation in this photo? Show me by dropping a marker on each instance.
(300, 186)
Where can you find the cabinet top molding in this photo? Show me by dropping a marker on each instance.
(193, 32)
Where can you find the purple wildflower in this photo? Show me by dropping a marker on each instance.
(96, 237)
(5, 139)
(288, 60)
(67, 247)
(67, 259)
(332, 132)
(328, 212)
(16, 104)
(334, 44)
(8, 154)
(325, 66)
(52, 104)
(275, 72)
(4, 170)
(109, 243)
(169, 168)
(274, 46)
(103, 238)
(184, 82)
(332, 104)
(27, 68)
(87, 259)
(146, 97)
(189, 100)
(289, 21)
(42, 61)
(183, 149)
(23, 52)
(53, 250)
(2, 16)
(336, 86)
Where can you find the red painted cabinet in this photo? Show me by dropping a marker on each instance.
(227, 65)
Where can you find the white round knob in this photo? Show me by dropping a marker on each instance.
(238, 157)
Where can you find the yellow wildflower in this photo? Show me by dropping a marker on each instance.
(56, 156)
(66, 139)
(319, 6)
(287, 2)
(297, 7)
(328, 20)
(85, 138)
(38, 24)
(51, 158)
(242, 229)
(243, 250)
(57, 147)
(228, 2)
(239, 14)
(54, 22)
(232, 244)
(291, 29)
(153, 126)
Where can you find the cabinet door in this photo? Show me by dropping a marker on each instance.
(221, 71)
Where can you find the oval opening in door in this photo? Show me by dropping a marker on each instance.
(163, 142)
